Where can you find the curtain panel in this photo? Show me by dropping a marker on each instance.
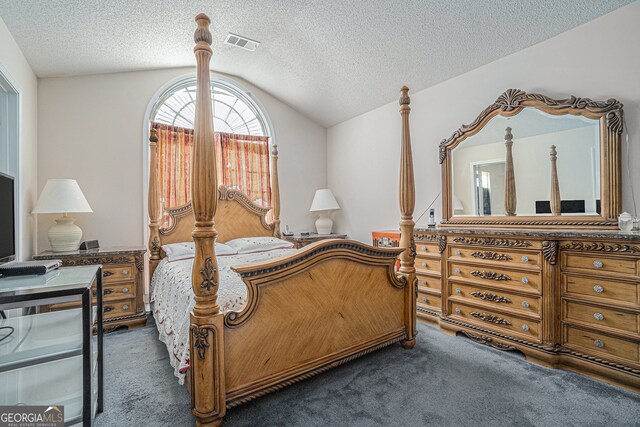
(242, 164)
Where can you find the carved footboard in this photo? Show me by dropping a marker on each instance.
(305, 313)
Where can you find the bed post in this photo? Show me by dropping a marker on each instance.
(407, 204)
(154, 204)
(208, 399)
(275, 191)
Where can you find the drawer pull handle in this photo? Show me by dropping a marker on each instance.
(458, 291)
(598, 264)
(107, 273)
(491, 318)
(108, 309)
(488, 296)
(458, 310)
(598, 289)
(525, 304)
(424, 282)
(125, 272)
(108, 291)
(457, 270)
(125, 290)
(598, 316)
(458, 253)
(424, 248)
(525, 328)
(424, 299)
(424, 264)
(525, 258)
(525, 280)
(125, 307)
(599, 343)
(490, 275)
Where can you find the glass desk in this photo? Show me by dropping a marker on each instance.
(53, 358)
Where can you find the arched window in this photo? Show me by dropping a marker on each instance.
(233, 109)
(242, 141)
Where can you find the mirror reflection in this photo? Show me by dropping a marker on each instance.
(502, 172)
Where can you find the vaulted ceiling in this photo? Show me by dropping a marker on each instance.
(330, 60)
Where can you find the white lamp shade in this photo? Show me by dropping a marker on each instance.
(61, 196)
(324, 201)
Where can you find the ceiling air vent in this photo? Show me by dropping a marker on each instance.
(243, 42)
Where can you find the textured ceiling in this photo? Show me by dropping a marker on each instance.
(330, 60)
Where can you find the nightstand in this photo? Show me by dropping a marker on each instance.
(123, 273)
(300, 241)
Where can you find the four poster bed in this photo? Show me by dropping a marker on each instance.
(303, 312)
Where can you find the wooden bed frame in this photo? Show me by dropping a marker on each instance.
(318, 308)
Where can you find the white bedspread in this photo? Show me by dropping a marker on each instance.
(172, 300)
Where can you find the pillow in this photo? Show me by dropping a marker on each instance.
(247, 245)
(187, 250)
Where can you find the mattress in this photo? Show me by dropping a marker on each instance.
(172, 299)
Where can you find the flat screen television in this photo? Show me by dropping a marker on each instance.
(7, 219)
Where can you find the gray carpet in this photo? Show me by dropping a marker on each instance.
(443, 381)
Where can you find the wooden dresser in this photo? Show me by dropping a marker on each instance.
(565, 299)
(123, 282)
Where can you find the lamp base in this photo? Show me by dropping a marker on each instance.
(65, 236)
(324, 224)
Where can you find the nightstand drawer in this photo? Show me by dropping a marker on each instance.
(117, 291)
(119, 308)
(118, 273)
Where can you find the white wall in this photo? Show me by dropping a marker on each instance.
(91, 130)
(19, 73)
(598, 60)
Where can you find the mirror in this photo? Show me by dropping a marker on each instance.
(479, 165)
(528, 159)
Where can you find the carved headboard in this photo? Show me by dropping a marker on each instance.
(236, 215)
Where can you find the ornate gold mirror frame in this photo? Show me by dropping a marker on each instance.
(609, 114)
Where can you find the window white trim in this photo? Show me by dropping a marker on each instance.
(150, 112)
(10, 87)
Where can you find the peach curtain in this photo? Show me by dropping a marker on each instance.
(242, 164)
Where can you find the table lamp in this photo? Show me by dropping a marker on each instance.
(324, 202)
(63, 196)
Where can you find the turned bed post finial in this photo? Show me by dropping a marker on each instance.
(207, 323)
(275, 191)
(407, 205)
(154, 208)
(554, 200)
(510, 200)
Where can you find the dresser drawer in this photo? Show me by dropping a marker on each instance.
(119, 308)
(496, 321)
(427, 249)
(594, 343)
(605, 289)
(429, 301)
(475, 294)
(505, 257)
(428, 265)
(118, 291)
(516, 280)
(600, 316)
(429, 282)
(601, 263)
(118, 273)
